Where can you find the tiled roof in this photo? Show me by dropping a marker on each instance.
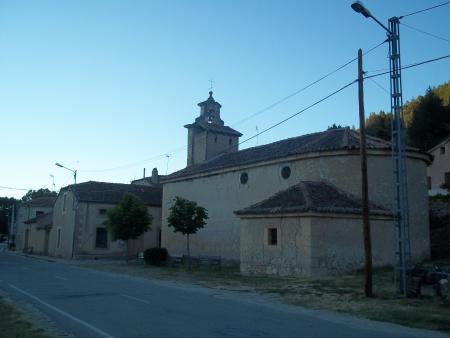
(214, 127)
(311, 196)
(42, 220)
(112, 193)
(40, 202)
(333, 139)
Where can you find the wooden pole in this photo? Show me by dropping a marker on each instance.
(364, 184)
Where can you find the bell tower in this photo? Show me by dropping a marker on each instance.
(208, 136)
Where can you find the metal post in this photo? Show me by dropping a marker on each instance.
(401, 209)
(364, 184)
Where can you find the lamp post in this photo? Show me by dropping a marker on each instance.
(401, 210)
(74, 204)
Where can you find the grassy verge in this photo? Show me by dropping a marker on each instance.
(14, 325)
(341, 293)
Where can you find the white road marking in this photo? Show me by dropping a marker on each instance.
(136, 299)
(59, 277)
(89, 326)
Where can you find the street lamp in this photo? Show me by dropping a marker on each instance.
(74, 202)
(73, 171)
(401, 212)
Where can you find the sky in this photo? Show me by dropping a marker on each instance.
(105, 86)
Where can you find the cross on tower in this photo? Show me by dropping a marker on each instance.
(211, 81)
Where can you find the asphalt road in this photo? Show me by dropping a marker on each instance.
(89, 303)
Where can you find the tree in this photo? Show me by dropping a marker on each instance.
(128, 220)
(6, 204)
(32, 194)
(430, 122)
(379, 125)
(186, 217)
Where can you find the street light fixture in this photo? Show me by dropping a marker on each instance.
(74, 201)
(401, 211)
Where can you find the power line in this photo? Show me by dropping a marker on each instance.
(411, 65)
(424, 10)
(11, 188)
(426, 33)
(301, 111)
(380, 86)
(305, 87)
(161, 156)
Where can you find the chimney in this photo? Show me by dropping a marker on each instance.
(155, 176)
(144, 174)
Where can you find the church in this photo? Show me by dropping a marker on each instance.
(292, 207)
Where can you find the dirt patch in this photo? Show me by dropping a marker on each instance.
(24, 320)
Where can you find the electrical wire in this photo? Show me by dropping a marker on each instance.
(301, 111)
(424, 10)
(424, 32)
(380, 86)
(153, 159)
(11, 188)
(305, 87)
(411, 65)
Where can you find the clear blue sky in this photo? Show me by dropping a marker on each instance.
(100, 84)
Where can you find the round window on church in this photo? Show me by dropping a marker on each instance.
(286, 172)
(244, 178)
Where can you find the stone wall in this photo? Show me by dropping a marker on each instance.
(221, 193)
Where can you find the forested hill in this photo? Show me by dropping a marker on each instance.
(426, 118)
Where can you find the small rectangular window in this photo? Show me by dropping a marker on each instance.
(58, 241)
(64, 202)
(442, 150)
(102, 211)
(272, 236)
(101, 238)
(39, 213)
(447, 179)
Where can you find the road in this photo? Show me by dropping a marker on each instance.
(89, 303)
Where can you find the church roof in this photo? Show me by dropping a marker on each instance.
(216, 128)
(312, 196)
(112, 193)
(333, 139)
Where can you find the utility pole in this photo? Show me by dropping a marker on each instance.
(364, 184)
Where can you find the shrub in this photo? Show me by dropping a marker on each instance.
(155, 256)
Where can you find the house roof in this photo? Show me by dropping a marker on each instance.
(214, 127)
(440, 144)
(42, 220)
(333, 139)
(112, 193)
(40, 202)
(312, 196)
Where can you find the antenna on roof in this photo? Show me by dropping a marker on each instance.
(257, 133)
(167, 165)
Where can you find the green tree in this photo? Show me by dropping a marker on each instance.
(187, 217)
(6, 204)
(128, 220)
(379, 125)
(32, 194)
(430, 122)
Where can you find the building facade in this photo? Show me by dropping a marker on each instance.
(78, 230)
(26, 211)
(233, 180)
(439, 169)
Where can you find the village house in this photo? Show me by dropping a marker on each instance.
(23, 231)
(439, 169)
(248, 195)
(80, 210)
(39, 233)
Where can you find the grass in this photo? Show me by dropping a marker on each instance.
(14, 325)
(340, 293)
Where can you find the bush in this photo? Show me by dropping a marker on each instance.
(155, 256)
